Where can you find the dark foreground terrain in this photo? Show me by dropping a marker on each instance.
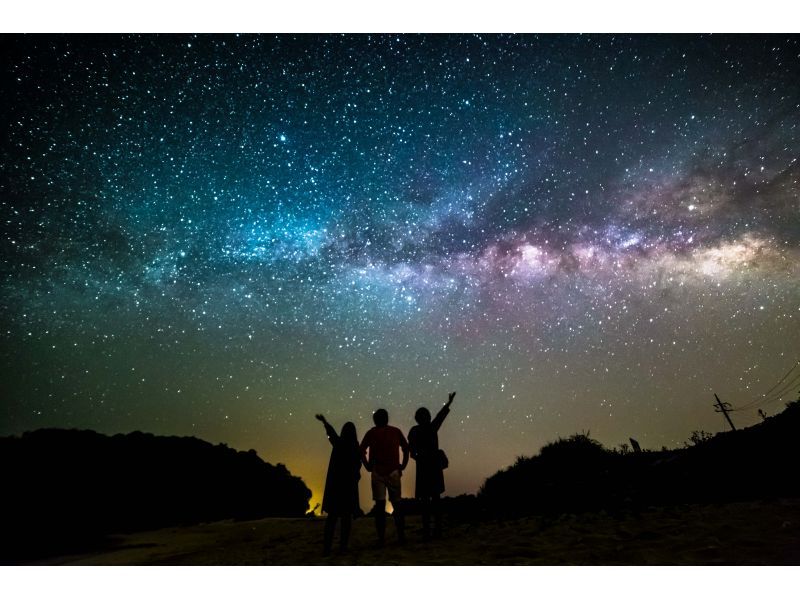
(746, 533)
(83, 498)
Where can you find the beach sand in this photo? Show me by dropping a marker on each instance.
(747, 533)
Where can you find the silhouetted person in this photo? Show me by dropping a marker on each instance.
(340, 500)
(423, 440)
(384, 443)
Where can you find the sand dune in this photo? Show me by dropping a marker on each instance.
(749, 533)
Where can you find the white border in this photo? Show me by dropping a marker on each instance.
(400, 582)
(360, 16)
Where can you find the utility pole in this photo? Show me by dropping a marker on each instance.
(723, 408)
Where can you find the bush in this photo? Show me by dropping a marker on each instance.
(69, 487)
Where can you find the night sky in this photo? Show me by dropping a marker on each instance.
(222, 236)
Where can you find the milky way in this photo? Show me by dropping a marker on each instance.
(221, 236)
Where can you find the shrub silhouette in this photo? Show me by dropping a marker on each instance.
(576, 448)
(67, 489)
(562, 477)
(698, 437)
(578, 473)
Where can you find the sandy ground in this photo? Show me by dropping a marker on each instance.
(752, 533)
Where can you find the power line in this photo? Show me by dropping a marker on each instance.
(773, 387)
(783, 394)
(765, 397)
(791, 385)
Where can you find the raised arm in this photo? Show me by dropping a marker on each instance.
(439, 419)
(332, 435)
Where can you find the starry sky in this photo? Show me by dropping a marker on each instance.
(221, 236)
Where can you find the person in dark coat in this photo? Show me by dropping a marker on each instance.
(423, 440)
(340, 500)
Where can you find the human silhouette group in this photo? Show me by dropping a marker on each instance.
(384, 452)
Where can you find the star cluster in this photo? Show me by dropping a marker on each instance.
(223, 235)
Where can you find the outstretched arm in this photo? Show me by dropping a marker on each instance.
(332, 435)
(439, 419)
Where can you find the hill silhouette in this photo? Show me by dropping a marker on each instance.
(579, 474)
(67, 489)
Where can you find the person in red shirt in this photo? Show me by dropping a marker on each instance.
(380, 454)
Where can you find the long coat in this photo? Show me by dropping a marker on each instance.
(341, 483)
(423, 440)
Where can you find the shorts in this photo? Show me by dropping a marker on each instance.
(382, 483)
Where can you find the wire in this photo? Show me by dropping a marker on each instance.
(765, 398)
(783, 394)
(774, 386)
(772, 399)
(780, 391)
